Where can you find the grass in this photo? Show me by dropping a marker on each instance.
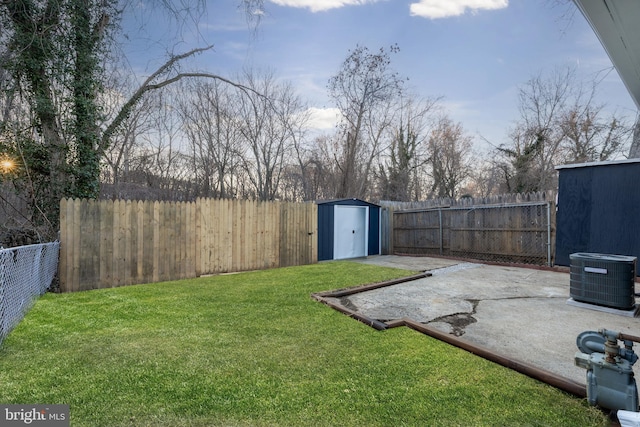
(254, 349)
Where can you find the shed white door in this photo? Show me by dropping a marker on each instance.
(350, 231)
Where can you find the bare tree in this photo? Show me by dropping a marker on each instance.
(160, 164)
(484, 179)
(634, 150)
(542, 101)
(591, 137)
(125, 144)
(363, 89)
(518, 165)
(311, 171)
(449, 158)
(214, 134)
(269, 122)
(395, 175)
(318, 171)
(404, 160)
(559, 122)
(301, 179)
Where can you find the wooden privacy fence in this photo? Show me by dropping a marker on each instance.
(115, 243)
(520, 233)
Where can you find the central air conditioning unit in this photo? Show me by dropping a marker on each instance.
(607, 280)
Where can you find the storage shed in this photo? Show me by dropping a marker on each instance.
(348, 228)
(598, 209)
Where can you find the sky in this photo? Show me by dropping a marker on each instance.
(475, 54)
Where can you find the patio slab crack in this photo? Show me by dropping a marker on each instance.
(457, 321)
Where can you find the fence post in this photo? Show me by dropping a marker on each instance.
(441, 228)
(3, 309)
(549, 234)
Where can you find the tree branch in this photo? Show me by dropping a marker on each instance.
(148, 86)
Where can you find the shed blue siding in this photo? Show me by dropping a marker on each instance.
(325, 232)
(598, 210)
(374, 230)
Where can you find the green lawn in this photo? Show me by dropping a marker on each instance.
(253, 349)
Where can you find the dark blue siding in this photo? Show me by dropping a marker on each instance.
(598, 210)
(374, 230)
(325, 232)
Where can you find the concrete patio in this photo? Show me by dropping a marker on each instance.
(517, 312)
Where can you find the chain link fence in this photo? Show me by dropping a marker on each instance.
(515, 233)
(26, 272)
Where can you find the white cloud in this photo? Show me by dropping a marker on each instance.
(323, 118)
(320, 5)
(434, 9)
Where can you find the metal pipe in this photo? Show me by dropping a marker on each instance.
(608, 334)
(543, 375)
(629, 337)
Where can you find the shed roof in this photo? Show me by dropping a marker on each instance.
(343, 201)
(616, 25)
(590, 164)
